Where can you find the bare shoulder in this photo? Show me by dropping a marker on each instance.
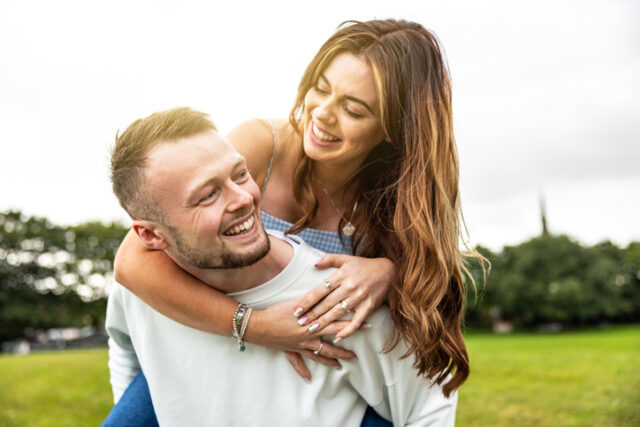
(254, 140)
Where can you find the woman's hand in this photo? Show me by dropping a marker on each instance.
(275, 328)
(360, 285)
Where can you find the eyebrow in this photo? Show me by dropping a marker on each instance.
(192, 194)
(349, 97)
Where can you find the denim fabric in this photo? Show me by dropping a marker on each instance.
(134, 409)
(372, 419)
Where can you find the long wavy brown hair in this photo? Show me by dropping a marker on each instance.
(408, 185)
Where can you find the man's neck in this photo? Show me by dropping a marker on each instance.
(240, 279)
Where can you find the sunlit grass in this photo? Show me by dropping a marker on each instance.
(69, 388)
(570, 379)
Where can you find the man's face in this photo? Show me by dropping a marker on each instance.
(209, 200)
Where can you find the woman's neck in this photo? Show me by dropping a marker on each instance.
(337, 184)
(335, 176)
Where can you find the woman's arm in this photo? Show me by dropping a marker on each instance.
(362, 284)
(158, 281)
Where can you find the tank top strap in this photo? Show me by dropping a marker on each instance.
(273, 156)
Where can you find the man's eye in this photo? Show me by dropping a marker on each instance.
(244, 175)
(210, 195)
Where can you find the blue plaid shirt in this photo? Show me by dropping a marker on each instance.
(326, 241)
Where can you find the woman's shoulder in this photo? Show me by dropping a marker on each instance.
(254, 139)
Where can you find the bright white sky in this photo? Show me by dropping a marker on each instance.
(546, 97)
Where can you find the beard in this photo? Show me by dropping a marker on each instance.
(219, 258)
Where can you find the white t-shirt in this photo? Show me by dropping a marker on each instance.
(197, 378)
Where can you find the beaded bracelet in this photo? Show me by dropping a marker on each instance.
(245, 322)
(240, 322)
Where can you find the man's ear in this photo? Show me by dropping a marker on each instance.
(147, 231)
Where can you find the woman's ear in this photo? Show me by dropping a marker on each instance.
(147, 231)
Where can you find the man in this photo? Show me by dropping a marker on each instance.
(193, 197)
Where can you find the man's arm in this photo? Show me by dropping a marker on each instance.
(123, 362)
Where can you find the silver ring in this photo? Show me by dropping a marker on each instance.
(344, 305)
(327, 284)
(317, 352)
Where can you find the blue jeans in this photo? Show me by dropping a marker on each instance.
(134, 409)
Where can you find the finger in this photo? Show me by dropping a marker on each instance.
(333, 352)
(332, 260)
(331, 329)
(321, 359)
(355, 324)
(298, 364)
(311, 299)
(337, 327)
(333, 313)
(333, 298)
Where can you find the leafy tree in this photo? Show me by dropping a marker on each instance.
(555, 279)
(52, 276)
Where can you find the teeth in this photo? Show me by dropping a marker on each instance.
(322, 136)
(240, 228)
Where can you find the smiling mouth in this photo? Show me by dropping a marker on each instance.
(321, 135)
(241, 228)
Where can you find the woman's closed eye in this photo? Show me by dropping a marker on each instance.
(243, 176)
(352, 113)
(321, 89)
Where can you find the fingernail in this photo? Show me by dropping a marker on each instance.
(337, 340)
(338, 367)
(307, 380)
(303, 320)
(366, 326)
(314, 327)
(298, 312)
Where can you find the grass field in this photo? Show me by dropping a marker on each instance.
(570, 379)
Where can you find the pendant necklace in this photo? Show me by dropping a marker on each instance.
(348, 228)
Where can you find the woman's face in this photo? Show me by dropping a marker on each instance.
(341, 120)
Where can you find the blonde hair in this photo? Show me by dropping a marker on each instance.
(129, 155)
(410, 210)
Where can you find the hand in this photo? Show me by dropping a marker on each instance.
(361, 283)
(276, 328)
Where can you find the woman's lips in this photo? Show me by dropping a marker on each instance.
(321, 137)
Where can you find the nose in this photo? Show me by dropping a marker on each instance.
(323, 113)
(239, 198)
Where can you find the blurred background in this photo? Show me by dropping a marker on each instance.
(546, 109)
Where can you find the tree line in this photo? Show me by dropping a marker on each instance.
(553, 279)
(56, 276)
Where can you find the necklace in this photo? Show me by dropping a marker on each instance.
(348, 228)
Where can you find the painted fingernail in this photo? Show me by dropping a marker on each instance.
(303, 320)
(338, 367)
(366, 326)
(298, 312)
(307, 380)
(337, 340)
(314, 327)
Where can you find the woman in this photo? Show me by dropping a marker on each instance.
(367, 157)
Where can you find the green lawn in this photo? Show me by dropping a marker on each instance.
(69, 388)
(570, 379)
